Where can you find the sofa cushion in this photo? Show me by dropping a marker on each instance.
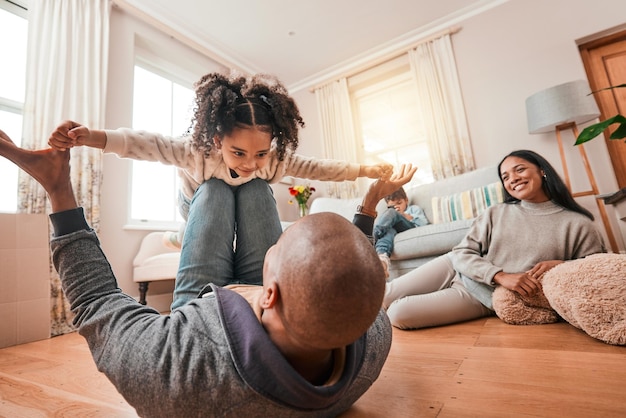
(158, 267)
(343, 207)
(429, 240)
(467, 204)
(422, 195)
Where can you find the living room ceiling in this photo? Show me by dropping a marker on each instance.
(303, 42)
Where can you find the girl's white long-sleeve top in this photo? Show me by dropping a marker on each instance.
(195, 168)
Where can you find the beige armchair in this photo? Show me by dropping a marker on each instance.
(154, 262)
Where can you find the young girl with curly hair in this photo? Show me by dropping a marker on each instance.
(243, 136)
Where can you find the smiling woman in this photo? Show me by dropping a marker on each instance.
(523, 180)
(510, 245)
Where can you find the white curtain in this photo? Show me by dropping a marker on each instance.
(335, 115)
(67, 59)
(439, 96)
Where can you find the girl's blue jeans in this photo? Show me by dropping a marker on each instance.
(229, 230)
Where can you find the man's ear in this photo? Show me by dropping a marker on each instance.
(270, 295)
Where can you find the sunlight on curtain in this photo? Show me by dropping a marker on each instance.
(66, 78)
(335, 114)
(441, 103)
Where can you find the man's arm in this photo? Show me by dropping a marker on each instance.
(126, 339)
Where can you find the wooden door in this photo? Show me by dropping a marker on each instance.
(605, 64)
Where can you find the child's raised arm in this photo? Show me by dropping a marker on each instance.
(70, 134)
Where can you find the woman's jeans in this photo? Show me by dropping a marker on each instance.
(388, 224)
(229, 230)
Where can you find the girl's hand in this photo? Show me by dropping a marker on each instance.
(385, 171)
(382, 171)
(70, 134)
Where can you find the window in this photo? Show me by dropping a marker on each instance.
(164, 106)
(13, 26)
(388, 119)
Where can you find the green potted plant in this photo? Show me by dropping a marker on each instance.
(596, 129)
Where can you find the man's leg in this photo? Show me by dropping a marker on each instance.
(258, 228)
(207, 248)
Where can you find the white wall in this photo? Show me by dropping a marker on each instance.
(503, 56)
(515, 50)
(24, 278)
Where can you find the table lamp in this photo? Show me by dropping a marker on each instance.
(562, 108)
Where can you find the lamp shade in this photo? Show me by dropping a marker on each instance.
(568, 102)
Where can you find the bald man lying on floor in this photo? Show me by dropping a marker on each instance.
(312, 340)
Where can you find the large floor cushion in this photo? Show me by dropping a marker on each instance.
(590, 293)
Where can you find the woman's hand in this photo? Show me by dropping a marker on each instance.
(527, 283)
(522, 283)
(542, 267)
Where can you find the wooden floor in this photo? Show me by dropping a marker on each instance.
(482, 368)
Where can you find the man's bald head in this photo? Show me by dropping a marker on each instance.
(330, 280)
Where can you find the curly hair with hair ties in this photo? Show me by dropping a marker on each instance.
(224, 103)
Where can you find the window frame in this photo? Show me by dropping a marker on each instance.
(387, 75)
(146, 59)
(18, 8)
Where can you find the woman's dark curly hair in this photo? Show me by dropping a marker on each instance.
(227, 102)
(552, 184)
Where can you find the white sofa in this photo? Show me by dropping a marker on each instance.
(155, 262)
(416, 246)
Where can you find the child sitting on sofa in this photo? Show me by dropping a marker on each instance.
(399, 217)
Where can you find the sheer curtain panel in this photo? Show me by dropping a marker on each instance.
(335, 115)
(439, 96)
(66, 78)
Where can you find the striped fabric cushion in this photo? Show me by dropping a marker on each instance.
(466, 205)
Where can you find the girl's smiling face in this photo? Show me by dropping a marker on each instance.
(245, 150)
(523, 180)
